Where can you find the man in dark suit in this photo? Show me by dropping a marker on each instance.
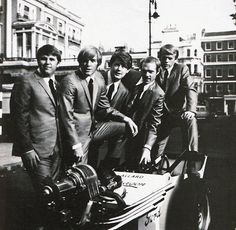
(83, 94)
(34, 111)
(35, 116)
(117, 95)
(131, 78)
(145, 108)
(180, 101)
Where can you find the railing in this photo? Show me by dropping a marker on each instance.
(73, 59)
(20, 59)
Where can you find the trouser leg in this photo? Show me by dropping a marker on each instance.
(162, 137)
(94, 153)
(190, 142)
(110, 131)
(190, 134)
(49, 167)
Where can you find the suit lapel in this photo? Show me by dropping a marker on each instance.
(95, 90)
(45, 87)
(118, 93)
(147, 94)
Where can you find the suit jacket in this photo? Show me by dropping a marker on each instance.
(131, 78)
(120, 99)
(147, 113)
(78, 110)
(180, 95)
(34, 116)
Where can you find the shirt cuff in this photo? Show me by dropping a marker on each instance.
(79, 145)
(147, 147)
(126, 119)
(30, 151)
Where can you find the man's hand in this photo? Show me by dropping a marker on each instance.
(30, 159)
(78, 153)
(188, 115)
(146, 156)
(133, 127)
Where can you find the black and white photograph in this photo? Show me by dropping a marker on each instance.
(117, 115)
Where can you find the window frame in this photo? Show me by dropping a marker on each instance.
(219, 76)
(221, 46)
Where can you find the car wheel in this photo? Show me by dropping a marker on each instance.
(190, 207)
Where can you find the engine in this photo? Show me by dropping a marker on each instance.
(82, 197)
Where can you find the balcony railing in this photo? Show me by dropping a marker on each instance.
(67, 60)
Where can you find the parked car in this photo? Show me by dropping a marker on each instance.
(202, 112)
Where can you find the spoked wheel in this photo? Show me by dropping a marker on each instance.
(190, 208)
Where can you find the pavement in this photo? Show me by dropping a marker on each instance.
(6, 158)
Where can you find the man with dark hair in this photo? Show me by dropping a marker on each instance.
(145, 108)
(180, 101)
(83, 94)
(117, 95)
(34, 110)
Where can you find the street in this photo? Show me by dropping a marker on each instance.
(217, 140)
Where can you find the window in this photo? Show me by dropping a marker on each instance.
(208, 58)
(219, 45)
(218, 57)
(230, 57)
(231, 72)
(208, 88)
(230, 45)
(207, 46)
(195, 52)
(219, 73)
(188, 52)
(230, 87)
(73, 34)
(219, 88)
(26, 12)
(208, 73)
(60, 28)
(48, 18)
(195, 68)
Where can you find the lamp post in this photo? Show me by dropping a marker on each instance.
(155, 15)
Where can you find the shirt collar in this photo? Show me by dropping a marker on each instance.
(46, 79)
(88, 78)
(169, 70)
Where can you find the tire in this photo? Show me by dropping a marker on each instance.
(190, 207)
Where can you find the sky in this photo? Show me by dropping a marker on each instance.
(113, 23)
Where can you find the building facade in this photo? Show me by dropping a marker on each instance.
(220, 70)
(26, 25)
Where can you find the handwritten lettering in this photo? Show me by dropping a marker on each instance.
(133, 184)
(151, 218)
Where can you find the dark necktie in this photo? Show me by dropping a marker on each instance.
(137, 98)
(165, 80)
(53, 90)
(90, 87)
(110, 91)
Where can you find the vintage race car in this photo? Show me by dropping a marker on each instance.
(165, 198)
